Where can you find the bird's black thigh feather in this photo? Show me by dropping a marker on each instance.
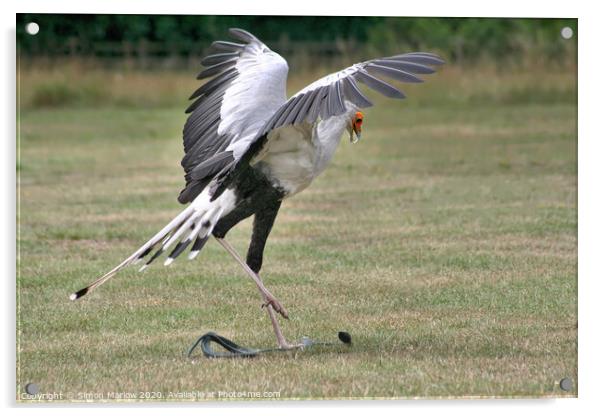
(242, 211)
(262, 225)
(256, 196)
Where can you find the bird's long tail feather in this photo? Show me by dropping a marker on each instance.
(192, 223)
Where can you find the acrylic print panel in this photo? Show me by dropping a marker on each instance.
(435, 257)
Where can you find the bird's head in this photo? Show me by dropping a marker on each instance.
(355, 126)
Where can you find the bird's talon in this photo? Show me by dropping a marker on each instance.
(287, 346)
(277, 307)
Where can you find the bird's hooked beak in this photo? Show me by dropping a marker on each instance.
(356, 127)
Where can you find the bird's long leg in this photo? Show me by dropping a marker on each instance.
(269, 299)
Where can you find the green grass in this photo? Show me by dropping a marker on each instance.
(445, 242)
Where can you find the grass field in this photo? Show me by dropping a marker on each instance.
(445, 242)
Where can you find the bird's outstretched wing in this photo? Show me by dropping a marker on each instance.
(248, 86)
(326, 97)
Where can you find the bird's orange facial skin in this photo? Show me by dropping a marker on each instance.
(357, 123)
(355, 127)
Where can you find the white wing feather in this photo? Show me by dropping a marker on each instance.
(256, 93)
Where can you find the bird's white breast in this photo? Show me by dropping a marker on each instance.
(295, 155)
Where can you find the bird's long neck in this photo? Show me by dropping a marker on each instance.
(328, 134)
(333, 127)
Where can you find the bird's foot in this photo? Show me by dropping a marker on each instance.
(274, 303)
(287, 346)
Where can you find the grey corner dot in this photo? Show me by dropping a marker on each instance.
(32, 28)
(32, 388)
(566, 32)
(566, 384)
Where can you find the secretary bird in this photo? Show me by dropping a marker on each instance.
(247, 147)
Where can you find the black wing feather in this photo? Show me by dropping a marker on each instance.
(203, 145)
(223, 46)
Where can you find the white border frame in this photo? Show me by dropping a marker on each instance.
(589, 198)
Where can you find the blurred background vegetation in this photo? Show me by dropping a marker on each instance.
(149, 60)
